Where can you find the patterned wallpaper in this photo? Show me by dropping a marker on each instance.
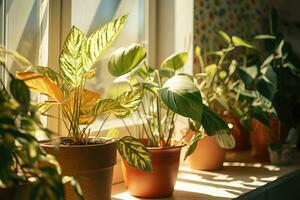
(235, 17)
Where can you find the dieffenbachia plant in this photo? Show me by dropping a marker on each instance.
(77, 65)
(80, 107)
(163, 94)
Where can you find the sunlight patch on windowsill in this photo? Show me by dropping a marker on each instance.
(202, 189)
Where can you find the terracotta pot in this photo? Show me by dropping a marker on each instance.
(241, 136)
(208, 155)
(262, 136)
(91, 164)
(159, 183)
(19, 192)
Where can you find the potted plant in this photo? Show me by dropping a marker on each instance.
(270, 98)
(91, 159)
(165, 93)
(26, 170)
(221, 86)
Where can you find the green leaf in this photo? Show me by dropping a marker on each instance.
(240, 42)
(110, 106)
(212, 123)
(73, 56)
(131, 99)
(225, 141)
(99, 42)
(126, 59)
(20, 92)
(224, 36)
(266, 84)
(193, 144)
(248, 74)
(135, 153)
(175, 61)
(264, 37)
(267, 61)
(182, 96)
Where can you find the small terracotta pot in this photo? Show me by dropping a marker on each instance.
(208, 155)
(18, 192)
(159, 183)
(91, 164)
(262, 136)
(241, 136)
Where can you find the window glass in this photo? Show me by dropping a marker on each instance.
(88, 16)
(26, 29)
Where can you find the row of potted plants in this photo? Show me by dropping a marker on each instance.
(229, 88)
(156, 95)
(253, 89)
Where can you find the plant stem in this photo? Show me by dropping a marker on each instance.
(128, 130)
(102, 126)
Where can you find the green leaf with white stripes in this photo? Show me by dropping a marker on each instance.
(110, 106)
(135, 153)
(72, 57)
(99, 42)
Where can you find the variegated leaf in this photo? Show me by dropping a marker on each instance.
(135, 153)
(110, 106)
(73, 56)
(131, 99)
(99, 41)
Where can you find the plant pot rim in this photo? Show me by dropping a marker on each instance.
(166, 148)
(47, 143)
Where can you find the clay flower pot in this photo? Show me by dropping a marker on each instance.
(241, 136)
(91, 164)
(262, 136)
(159, 183)
(208, 155)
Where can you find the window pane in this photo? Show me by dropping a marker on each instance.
(26, 25)
(96, 13)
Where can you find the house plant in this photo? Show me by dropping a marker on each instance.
(91, 159)
(271, 99)
(221, 86)
(21, 174)
(165, 93)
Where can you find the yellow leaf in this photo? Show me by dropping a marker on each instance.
(89, 99)
(210, 69)
(42, 84)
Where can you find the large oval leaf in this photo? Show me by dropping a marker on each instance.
(175, 61)
(99, 42)
(42, 84)
(212, 123)
(125, 59)
(135, 153)
(73, 56)
(182, 96)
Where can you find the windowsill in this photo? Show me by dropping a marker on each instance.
(236, 180)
